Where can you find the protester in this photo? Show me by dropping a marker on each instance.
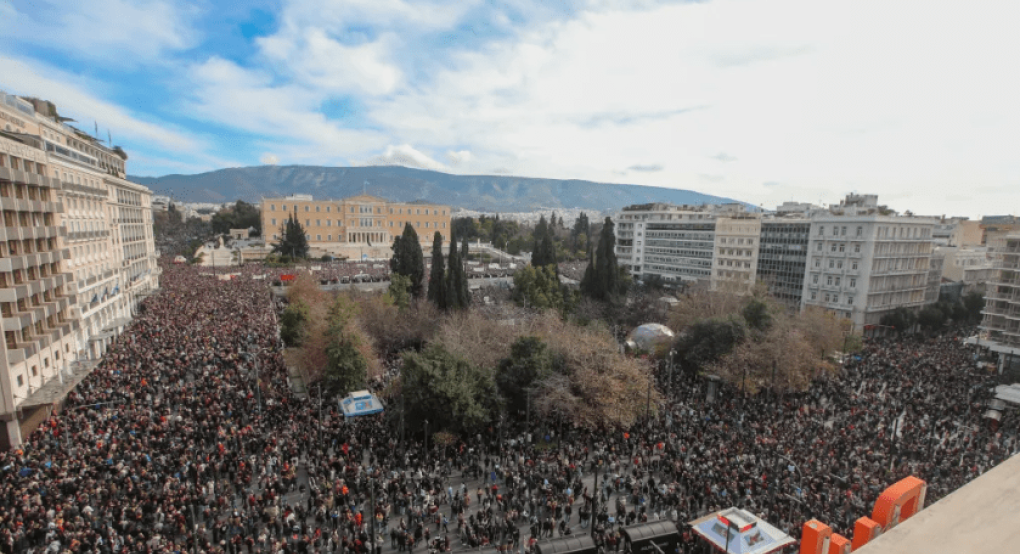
(188, 437)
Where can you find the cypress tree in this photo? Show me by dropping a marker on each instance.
(408, 260)
(293, 241)
(602, 276)
(453, 276)
(437, 277)
(537, 255)
(463, 291)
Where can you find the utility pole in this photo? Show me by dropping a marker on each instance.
(648, 402)
(595, 497)
(371, 486)
(403, 447)
(774, 364)
(672, 355)
(529, 407)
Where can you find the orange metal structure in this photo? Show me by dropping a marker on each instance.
(896, 504)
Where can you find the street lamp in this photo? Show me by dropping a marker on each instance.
(426, 440)
(672, 356)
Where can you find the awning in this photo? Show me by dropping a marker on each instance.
(102, 336)
(55, 391)
(652, 538)
(120, 322)
(576, 544)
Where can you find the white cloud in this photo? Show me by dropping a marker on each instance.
(404, 155)
(809, 95)
(268, 159)
(458, 158)
(335, 46)
(246, 99)
(114, 31)
(318, 61)
(36, 79)
(381, 13)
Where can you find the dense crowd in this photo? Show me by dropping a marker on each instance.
(188, 438)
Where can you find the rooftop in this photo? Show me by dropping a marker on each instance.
(982, 516)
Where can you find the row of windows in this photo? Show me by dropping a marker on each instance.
(679, 262)
(732, 240)
(679, 252)
(834, 281)
(731, 263)
(833, 298)
(837, 264)
(671, 269)
(361, 209)
(838, 231)
(838, 247)
(366, 222)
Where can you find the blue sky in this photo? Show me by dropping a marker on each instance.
(762, 100)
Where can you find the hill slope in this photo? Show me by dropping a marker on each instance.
(474, 192)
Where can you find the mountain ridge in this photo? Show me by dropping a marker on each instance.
(486, 193)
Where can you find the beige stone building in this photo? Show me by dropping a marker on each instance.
(35, 295)
(354, 227)
(102, 253)
(735, 260)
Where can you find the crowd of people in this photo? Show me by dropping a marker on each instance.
(342, 272)
(187, 437)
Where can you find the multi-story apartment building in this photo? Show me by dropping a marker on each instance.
(673, 242)
(996, 228)
(864, 262)
(957, 231)
(782, 257)
(1001, 322)
(358, 221)
(972, 266)
(936, 265)
(85, 178)
(735, 260)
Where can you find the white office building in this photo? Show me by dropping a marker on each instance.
(673, 242)
(864, 261)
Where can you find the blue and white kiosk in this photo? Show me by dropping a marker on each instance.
(359, 403)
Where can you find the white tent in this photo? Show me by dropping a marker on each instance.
(361, 403)
(736, 531)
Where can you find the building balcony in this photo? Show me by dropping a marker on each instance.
(13, 175)
(17, 321)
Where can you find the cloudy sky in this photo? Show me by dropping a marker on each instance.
(760, 100)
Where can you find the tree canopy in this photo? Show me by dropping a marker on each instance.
(241, 215)
(539, 288)
(529, 363)
(408, 260)
(447, 391)
(293, 241)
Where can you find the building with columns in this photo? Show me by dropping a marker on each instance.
(76, 259)
(354, 226)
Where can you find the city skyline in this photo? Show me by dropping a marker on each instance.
(762, 103)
